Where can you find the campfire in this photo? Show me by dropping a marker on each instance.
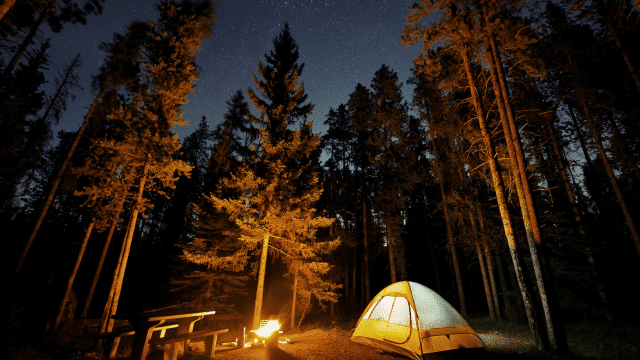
(268, 333)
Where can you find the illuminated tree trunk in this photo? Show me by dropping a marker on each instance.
(129, 237)
(106, 311)
(5, 7)
(305, 310)
(518, 169)
(293, 302)
(72, 277)
(483, 270)
(492, 278)
(456, 269)
(502, 202)
(103, 255)
(55, 185)
(257, 312)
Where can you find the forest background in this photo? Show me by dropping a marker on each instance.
(470, 185)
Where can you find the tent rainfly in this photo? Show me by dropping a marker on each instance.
(410, 319)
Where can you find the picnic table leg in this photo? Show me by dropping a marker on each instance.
(185, 325)
(113, 348)
(210, 346)
(144, 331)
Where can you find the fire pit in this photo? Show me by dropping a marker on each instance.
(268, 333)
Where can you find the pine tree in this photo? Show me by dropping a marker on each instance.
(392, 160)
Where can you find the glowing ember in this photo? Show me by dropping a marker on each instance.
(269, 328)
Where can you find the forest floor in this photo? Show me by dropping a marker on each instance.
(502, 340)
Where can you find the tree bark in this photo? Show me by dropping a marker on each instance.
(502, 203)
(55, 185)
(483, 270)
(103, 255)
(72, 277)
(305, 310)
(106, 311)
(257, 312)
(518, 168)
(293, 302)
(128, 240)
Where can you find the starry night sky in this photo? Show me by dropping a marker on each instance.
(341, 42)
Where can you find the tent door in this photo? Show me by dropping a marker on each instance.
(399, 324)
(397, 333)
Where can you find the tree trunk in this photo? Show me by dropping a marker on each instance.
(365, 251)
(485, 277)
(576, 214)
(72, 277)
(5, 7)
(304, 311)
(129, 238)
(580, 136)
(103, 255)
(449, 225)
(56, 182)
(347, 294)
(518, 167)
(392, 262)
(624, 145)
(625, 56)
(433, 261)
(502, 203)
(607, 166)
(105, 322)
(293, 302)
(257, 313)
(353, 278)
(331, 303)
(490, 265)
(456, 269)
(27, 40)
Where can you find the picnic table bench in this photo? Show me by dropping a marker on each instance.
(110, 347)
(171, 343)
(145, 323)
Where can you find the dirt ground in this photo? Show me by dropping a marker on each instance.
(318, 344)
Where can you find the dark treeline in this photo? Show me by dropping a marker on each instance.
(507, 181)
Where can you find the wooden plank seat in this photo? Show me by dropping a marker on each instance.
(171, 350)
(112, 339)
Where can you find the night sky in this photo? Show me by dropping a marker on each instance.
(341, 42)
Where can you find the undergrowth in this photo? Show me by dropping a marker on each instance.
(589, 340)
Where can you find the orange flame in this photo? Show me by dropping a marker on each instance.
(269, 328)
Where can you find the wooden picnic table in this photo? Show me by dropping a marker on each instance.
(145, 322)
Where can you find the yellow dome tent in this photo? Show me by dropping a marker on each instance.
(410, 319)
